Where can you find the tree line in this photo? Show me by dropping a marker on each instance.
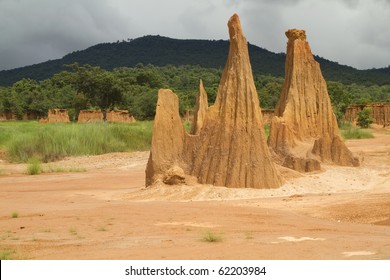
(135, 89)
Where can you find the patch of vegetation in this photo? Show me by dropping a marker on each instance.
(65, 170)
(363, 118)
(249, 235)
(102, 228)
(6, 254)
(14, 215)
(73, 231)
(50, 142)
(135, 89)
(211, 237)
(34, 167)
(161, 51)
(187, 126)
(356, 133)
(345, 125)
(266, 130)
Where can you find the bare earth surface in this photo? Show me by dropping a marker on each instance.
(106, 213)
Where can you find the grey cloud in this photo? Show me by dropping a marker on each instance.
(41, 28)
(353, 32)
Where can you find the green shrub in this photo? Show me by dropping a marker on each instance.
(364, 120)
(211, 237)
(34, 167)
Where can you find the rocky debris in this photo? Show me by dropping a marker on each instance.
(201, 108)
(379, 112)
(304, 130)
(58, 115)
(174, 176)
(168, 139)
(230, 148)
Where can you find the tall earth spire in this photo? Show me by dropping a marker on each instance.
(304, 131)
(231, 150)
(201, 108)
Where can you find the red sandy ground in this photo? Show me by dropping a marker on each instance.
(105, 213)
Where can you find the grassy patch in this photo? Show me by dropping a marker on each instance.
(356, 133)
(249, 235)
(34, 167)
(65, 170)
(211, 237)
(73, 231)
(345, 126)
(267, 128)
(14, 215)
(49, 142)
(187, 126)
(6, 254)
(102, 228)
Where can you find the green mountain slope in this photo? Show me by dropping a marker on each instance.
(162, 51)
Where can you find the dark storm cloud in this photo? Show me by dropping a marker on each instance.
(42, 29)
(353, 32)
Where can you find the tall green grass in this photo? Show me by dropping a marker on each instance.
(49, 142)
(34, 167)
(356, 133)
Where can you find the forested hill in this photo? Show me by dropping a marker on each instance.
(161, 51)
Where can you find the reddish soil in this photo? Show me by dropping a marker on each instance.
(106, 213)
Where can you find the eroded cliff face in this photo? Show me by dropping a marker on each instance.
(379, 112)
(304, 131)
(230, 148)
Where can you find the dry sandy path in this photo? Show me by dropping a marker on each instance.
(105, 213)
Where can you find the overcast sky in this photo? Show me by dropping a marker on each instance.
(351, 32)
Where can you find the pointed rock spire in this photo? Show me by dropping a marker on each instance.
(304, 131)
(232, 150)
(201, 108)
(229, 148)
(167, 141)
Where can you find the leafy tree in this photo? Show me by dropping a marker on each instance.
(26, 96)
(3, 91)
(340, 99)
(135, 89)
(99, 86)
(364, 120)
